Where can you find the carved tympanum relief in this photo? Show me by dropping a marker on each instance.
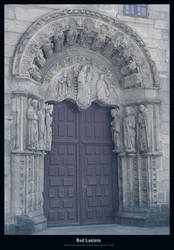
(39, 122)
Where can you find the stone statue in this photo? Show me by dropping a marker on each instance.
(102, 88)
(99, 39)
(129, 131)
(115, 124)
(71, 36)
(47, 47)
(109, 47)
(35, 72)
(39, 59)
(32, 123)
(87, 35)
(84, 90)
(42, 129)
(62, 85)
(58, 41)
(142, 128)
(48, 123)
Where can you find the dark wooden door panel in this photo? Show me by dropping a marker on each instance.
(79, 169)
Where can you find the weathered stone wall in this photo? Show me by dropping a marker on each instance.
(154, 30)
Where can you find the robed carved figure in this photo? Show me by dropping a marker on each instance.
(42, 129)
(84, 89)
(115, 124)
(129, 131)
(32, 117)
(49, 110)
(142, 128)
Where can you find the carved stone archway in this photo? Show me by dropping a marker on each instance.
(85, 57)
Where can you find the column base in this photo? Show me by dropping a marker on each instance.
(150, 218)
(40, 223)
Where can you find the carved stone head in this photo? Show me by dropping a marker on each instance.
(127, 111)
(142, 108)
(34, 103)
(115, 112)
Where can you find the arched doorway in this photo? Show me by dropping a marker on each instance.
(85, 56)
(80, 170)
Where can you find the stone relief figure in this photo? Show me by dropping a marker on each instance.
(62, 85)
(129, 131)
(35, 72)
(99, 39)
(39, 59)
(108, 47)
(32, 122)
(58, 41)
(47, 47)
(142, 128)
(48, 123)
(42, 129)
(102, 88)
(83, 96)
(87, 35)
(71, 36)
(115, 125)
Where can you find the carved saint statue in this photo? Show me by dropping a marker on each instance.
(99, 39)
(62, 85)
(129, 131)
(47, 47)
(142, 128)
(109, 47)
(102, 88)
(48, 122)
(115, 124)
(58, 41)
(71, 36)
(35, 72)
(84, 90)
(42, 129)
(39, 59)
(32, 123)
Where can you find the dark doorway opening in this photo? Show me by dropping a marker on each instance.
(80, 183)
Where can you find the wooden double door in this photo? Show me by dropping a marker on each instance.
(80, 184)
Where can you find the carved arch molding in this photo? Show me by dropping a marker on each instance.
(84, 56)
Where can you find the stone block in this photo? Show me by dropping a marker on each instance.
(161, 24)
(162, 66)
(9, 50)
(165, 164)
(158, 14)
(157, 44)
(164, 83)
(161, 197)
(158, 54)
(159, 7)
(25, 13)
(164, 95)
(16, 26)
(9, 12)
(165, 34)
(11, 38)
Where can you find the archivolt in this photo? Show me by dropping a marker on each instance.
(41, 45)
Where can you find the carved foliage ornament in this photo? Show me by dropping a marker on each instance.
(95, 37)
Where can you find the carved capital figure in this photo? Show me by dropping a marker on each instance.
(48, 123)
(142, 128)
(115, 126)
(129, 131)
(32, 122)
